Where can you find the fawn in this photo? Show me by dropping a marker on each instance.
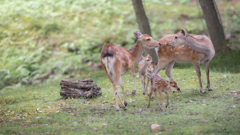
(144, 67)
(117, 60)
(183, 47)
(158, 84)
(199, 48)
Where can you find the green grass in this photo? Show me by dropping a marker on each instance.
(34, 44)
(40, 109)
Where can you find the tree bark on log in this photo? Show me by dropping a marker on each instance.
(81, 88)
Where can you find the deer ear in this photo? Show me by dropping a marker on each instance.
(137, 34)
(183, 31)
(148, 55)
(142, 57)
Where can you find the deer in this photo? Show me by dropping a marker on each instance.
(185, 48)
(159, 85)
(144, 67)
(117, 60)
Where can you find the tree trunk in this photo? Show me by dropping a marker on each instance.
(143, 25)
(81, 88)
(214, 26)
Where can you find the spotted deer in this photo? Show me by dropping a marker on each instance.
(117, 60)
(159, 85)
(144, 67)
(184, 47)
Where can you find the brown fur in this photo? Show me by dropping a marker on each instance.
(183, 53)
(144, 67)
(160, 85)
(117, 60)
(200, 50)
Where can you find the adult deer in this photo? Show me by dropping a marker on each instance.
(117, 60)
(184, 47)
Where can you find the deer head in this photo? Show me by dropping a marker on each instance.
(179, 38)
(146, 41)
(174, 86)
(147, 60)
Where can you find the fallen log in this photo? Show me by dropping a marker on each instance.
(81, 88)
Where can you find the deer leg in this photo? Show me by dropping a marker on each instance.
(206, 64)
(109, 76)
(144, 83)
(146, 86)
(141, 78)
(197, 67)
(161, 96)
(161, 64)
(116, 95)
(150, 95)
(117, 76)
(169, 70)
(122, 87)
(155, 92)
(167, 99)
(132, 71)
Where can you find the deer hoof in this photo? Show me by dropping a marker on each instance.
(204, 92)
(125, 103)
(152, 98)
(143, 93)
(133, 92)
(210, 90)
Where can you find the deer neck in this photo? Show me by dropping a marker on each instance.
(143, 68)
(197, 45)
(137, 51)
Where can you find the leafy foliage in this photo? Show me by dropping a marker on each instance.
(35, 45)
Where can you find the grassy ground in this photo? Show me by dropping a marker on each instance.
(40, 109)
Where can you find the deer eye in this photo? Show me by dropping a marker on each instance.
(176, 37)
(148, 39)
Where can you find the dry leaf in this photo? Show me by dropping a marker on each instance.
(31, 109)
(89, 63)
(28, 121)
(92, 101)
(72, 114)
(56, 123)
(38, 127)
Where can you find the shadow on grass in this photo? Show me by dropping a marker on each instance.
(228, 62)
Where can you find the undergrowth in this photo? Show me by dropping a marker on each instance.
(36, 46)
